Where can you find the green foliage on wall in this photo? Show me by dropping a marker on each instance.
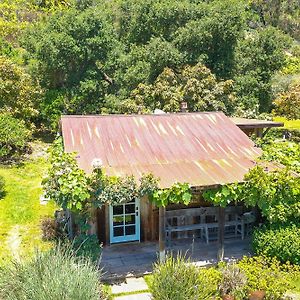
(274, 189)
(66, 183)
(177, 193)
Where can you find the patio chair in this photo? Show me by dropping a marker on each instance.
(247, 220)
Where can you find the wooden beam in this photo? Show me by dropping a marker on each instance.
(162, 234)
(221, 233)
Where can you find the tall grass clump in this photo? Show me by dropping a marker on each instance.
(52, 275)
(178, 279)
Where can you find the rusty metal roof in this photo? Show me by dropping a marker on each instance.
(203, 149)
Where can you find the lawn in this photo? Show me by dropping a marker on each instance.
(21, 211)
(289, 124)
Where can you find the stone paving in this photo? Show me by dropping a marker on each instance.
(143, 296)
(129, 285)
(138, 286)
(136, 259)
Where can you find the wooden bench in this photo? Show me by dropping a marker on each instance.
(202, 219)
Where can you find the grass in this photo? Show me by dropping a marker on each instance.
(21, 211)
(296, 283)
(289, 124)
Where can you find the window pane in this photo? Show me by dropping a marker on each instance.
(130, 230)
(118, 209)
(118, 220)
(130, 219)
(129, 208)
(119, 231)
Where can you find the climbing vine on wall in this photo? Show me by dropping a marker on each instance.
(177, 193)
(66, 183)
(276, 193)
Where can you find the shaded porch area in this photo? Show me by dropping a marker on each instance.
(136, 259)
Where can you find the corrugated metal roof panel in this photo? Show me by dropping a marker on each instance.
(202, 149)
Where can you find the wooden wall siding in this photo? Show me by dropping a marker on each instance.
(145, 213)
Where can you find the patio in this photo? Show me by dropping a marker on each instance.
(136, 259)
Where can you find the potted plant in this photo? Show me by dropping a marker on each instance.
(233, 282)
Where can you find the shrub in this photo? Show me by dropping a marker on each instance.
(288, 104)
(233, 281)
(209, 279)
(19, 94)
(52, 275)
(50, 229)
(280, 242)
(14, 137)
(267, 275)
(292, 134)
(177, 279)
(2, 187)
(87, 246)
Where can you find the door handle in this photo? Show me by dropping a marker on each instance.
(137, 213)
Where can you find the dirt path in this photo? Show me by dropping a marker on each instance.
(14, 241)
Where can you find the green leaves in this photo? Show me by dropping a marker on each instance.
(276, 192)
(19, 94)
(14, 137)
(282, 242)
(65, 183)
(195, 85)
(177, 193)
(70, 187)
(224, 195)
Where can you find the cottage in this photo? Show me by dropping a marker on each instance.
(203, 149)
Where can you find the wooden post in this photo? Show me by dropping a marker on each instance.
(107, 229)
(221, 233)
(162, 234)
(69, 224)
(258, 132)
(93, 221)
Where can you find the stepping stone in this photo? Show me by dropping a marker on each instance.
(130, 285)
(144, 296)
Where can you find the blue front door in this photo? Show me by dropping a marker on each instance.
(125, 222)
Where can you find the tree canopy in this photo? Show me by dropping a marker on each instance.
(92, 56)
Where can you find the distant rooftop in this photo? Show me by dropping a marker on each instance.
(254, 123)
